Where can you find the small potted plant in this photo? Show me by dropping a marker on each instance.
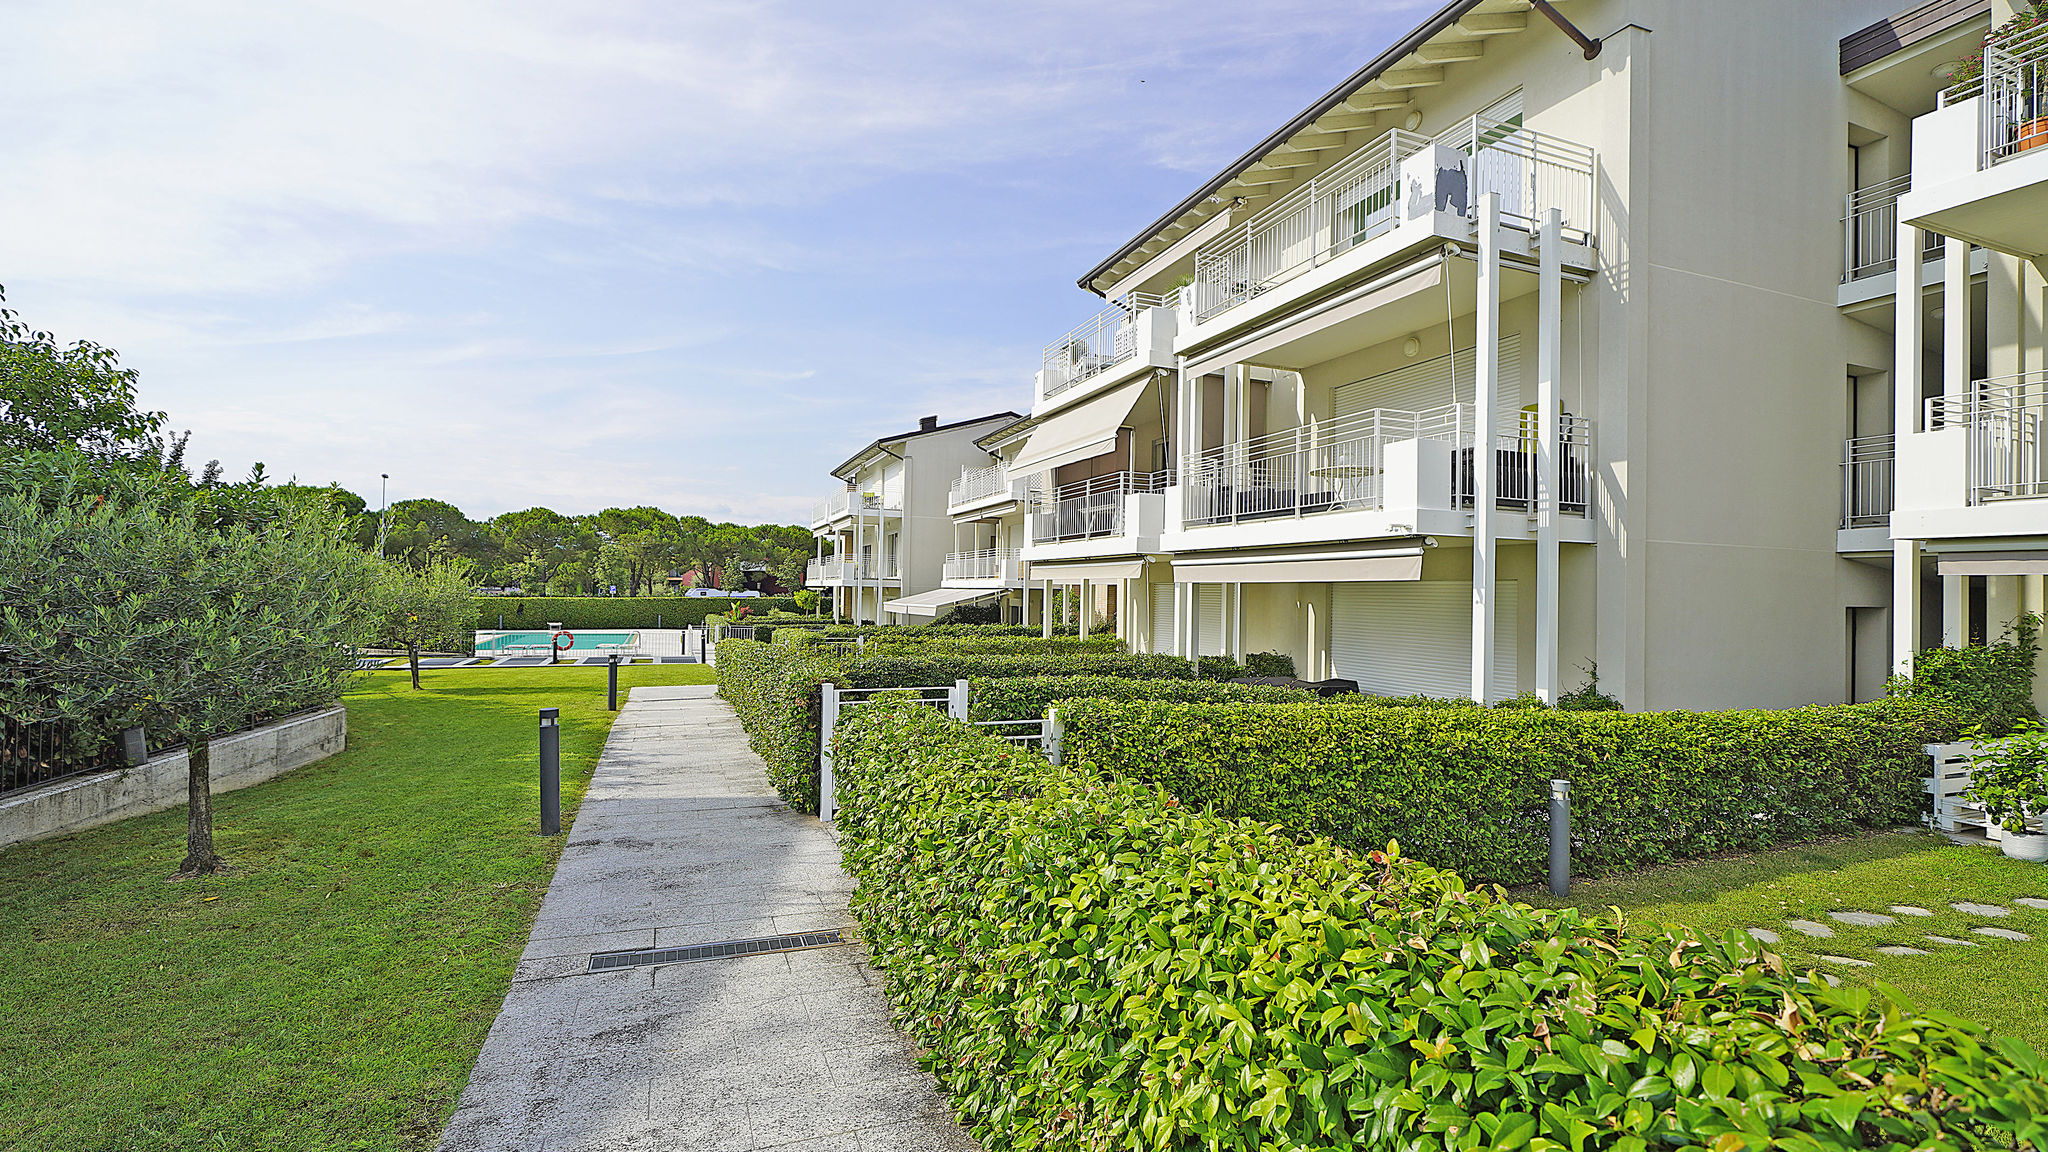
(2031, 130)
(2009, 777)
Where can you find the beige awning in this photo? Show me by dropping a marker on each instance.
(1090, 570)
(1086, 430)
(1992, 564)
(1302, 566)
(1251, 349)
(937, 601)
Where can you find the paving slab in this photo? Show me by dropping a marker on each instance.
(681, 840)
(2001, 934)
(1810, 928)
(1909, 910)
(1764, 936)
(1992, 910)
(2033, 902)
(1862, 919)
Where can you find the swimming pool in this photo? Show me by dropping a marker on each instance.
(585, 641)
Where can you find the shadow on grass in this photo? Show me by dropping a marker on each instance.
(1694, 881)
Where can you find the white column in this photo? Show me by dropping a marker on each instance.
(1906, 353)
(1086, 597)
(1955, 317)
(1549, 369)
(1045, 608)
(1235, 603)
(1183, 620)
(1485, 384)
(1955, 611)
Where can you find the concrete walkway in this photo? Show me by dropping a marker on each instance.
(681, 841)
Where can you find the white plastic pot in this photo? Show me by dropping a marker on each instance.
(2025, 846)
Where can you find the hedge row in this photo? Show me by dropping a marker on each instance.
(1088, 964)
(773, 689)
(931, 666)
(1468, 788)
(995, 645)
(916, 631)
(1028, 697)
(612, 611)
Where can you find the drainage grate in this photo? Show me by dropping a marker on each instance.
(606, 961)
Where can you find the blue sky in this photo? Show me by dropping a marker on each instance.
(687, 254)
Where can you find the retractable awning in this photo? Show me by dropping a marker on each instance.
(1402, 561)
(1086, 430)
(937, 601)
(1089, 570)
(1992, 564)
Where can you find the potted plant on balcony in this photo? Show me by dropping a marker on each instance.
(2031, 124)
(2009, 777)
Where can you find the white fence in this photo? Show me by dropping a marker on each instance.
(952, 699)
(1092, 508)
(1100, 342)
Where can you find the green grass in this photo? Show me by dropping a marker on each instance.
(332, 991)
(2002, 985)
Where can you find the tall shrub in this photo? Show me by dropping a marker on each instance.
(1087, 964)
(1992, 686)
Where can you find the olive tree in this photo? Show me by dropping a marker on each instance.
(425, 607)
(145, 610)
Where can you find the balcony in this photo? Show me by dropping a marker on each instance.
(833, 573)
(1346, 466)
(1867, 472)
(1092, 509)
(1870, 231)
(844, 503)
(982, 487)
(996, 567)
(1136, 329)
(1359, 199)
(1981, 159)
(2002, 421)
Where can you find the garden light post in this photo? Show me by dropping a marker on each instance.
(550, 771)
(611, 691)
(1560, 837)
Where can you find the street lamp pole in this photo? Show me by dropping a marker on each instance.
(383, 507)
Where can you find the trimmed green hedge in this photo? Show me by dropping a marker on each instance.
(1087, 964)
(773, 689)
(926, 631)
(1027, 697)
(935, 667)
(1467, 788)
(995, 645)
(612, 611)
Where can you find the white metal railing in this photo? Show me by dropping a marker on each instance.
(1087, 509)
(1340, 465)
(986, 564)
(1867, 481)
(1358, 198)
(979, 484)
(831, 507)
(952, 699)
(840, 503)
(2004, 417)
(2015, 90)
(1100, 342)
(848, 571)
(1870, 230)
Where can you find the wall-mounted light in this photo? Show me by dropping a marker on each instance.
(1411, 347)
(1413, 120)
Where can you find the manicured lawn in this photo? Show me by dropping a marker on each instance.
(2000, 984)
(332, 991)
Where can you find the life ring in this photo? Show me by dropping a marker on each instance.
(564, 640)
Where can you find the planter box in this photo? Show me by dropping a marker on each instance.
(239, 760)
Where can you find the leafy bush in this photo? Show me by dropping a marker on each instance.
(1992, 686)
(1027, 697)
(935, 666)
(1269, 664)
(1467, 787)
(2009, 776)
(612, 611)
(1588, 697)
(993, 645)
(1219, 668)
(1089, 965)
(773, 689)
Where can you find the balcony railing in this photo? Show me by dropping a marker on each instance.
(987, 564)
(1101, 342)
(840, 503)
(1358, 198)
(980, 484)
(1870, 230)
(2015, 87)
(847, 571)
(2004, 417)
(1088, 509)
(1341, 466)
(1867, 482)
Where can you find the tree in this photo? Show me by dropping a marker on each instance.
(424, 607)
(732, 575)
(75, 397)
(144, 609)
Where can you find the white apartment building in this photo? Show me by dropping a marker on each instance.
(1543, 339)
(990, 503)
(884, 537)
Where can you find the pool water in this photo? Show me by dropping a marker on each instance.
(585, 641)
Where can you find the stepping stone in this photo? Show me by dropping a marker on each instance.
(1909, 910)
(2032, 902)
(1850, 961)
(1902, 950)
(1833, 980)
(1764, 936)
(1863, 919)
(1993, 910)
(2002, 933)
(1810, 928)
(1954, 941)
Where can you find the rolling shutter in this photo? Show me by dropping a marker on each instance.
(1422, 387)
(1416, 639)
(1209, 638)
(1162, 618)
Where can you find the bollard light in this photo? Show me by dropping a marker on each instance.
(1560, 837)
(550, 771)
(611, 691)
(134, 746)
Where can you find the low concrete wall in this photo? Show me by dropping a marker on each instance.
(239, 760)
